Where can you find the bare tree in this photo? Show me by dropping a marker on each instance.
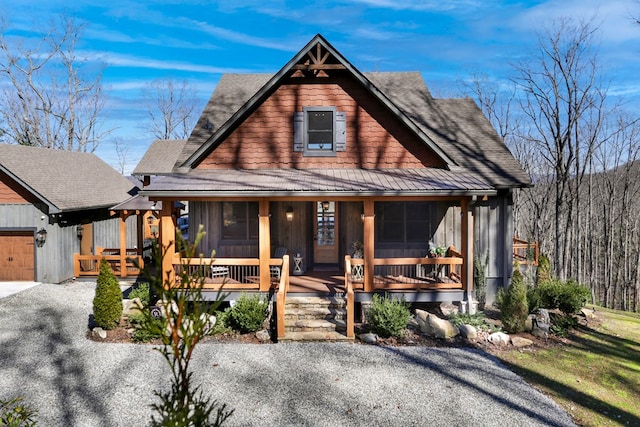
(122, 152)
(171, 106)
(49, 101)
(564, 101)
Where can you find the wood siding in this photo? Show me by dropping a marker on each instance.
(12, 193)
(54, 260)
(106, 233)
(375, 139)
(493, 236)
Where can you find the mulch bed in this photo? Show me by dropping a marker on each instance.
(413, 337)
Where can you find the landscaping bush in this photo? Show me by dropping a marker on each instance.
(144, 332)
(141, 291)
(15, 414)
(107, 303)
(388, 317)
(544, 270)
(477, 320)
(568, 296)
(248, 314)
(222, 322)
(514, 308)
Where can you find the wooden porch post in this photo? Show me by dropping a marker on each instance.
(140, 233)
(264, 239)
(167, 241)
(123, 243)
(467, 247)
(369, 240)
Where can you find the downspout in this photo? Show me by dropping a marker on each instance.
(470, 249)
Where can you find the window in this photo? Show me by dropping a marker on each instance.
(240, 221)
(405, 223)
(319, 131)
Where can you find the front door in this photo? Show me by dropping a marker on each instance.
(325, 229)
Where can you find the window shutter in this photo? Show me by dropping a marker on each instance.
(298, 131)
(341, 131)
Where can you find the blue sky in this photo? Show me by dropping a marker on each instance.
(198, 40)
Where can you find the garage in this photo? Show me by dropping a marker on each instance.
(17, 256)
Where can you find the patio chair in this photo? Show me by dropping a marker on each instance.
(276, 269)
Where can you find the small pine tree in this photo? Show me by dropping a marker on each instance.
(514, 306)
(544, 270)
(107, 303)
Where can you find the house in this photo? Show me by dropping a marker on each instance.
(54, 204)
(320, 158)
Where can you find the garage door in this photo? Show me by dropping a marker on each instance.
(16, 256)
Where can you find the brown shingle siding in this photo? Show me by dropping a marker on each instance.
(374, 139)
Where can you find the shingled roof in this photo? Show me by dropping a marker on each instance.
(160, 158)
(455, 129)
(65, 180)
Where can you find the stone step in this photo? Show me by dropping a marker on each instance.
(311, 325)
(314, 336)
(314, 313)
(315, 301)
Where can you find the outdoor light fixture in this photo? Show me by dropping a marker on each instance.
(325, 206)
(362, 217)
(154, 206)
(79, 231)
(289, 214)
(41, 237)
(150, 219)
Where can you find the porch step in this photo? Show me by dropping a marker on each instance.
(315, 319)
(314, 336)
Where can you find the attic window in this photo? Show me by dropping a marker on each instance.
(319, 131)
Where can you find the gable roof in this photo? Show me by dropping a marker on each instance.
(65, 180)
(297, 63)
(455, 129)
(160, 158)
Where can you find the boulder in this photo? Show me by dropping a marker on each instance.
(447, 309)
(131, 306)
(521, 342)
(263, 335)
(432, 325)
(98, 332)
(468, 332)
(368, 338)
(528, 324)
(499, 338)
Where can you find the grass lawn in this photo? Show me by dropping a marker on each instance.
(594, 374)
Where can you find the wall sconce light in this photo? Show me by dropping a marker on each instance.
(325, 205)
(41, 237)
(289, 214)
(362, 217)
(79, 231)
(150, 219)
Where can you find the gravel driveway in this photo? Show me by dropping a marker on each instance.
(72, 381)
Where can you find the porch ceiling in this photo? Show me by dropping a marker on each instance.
(321, 182)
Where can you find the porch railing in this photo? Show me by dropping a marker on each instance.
(348, 289)
(89, 265)
(525, 252)
(231, 273)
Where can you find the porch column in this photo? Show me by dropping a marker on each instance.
(167, 240)
(368, 242)
(467, 247)
(264, 239)
(140, 233)
(123, 243)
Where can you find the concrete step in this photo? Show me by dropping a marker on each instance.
(315, 302)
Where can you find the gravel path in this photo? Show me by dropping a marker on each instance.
(72, 381)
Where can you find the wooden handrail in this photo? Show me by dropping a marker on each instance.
(348, 284)
(523, 245)
(281, 296)
(114, 260)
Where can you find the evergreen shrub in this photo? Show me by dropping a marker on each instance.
(514, 308)
(388, 317)
(107, 302)
(141, 291)
(248, 314)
